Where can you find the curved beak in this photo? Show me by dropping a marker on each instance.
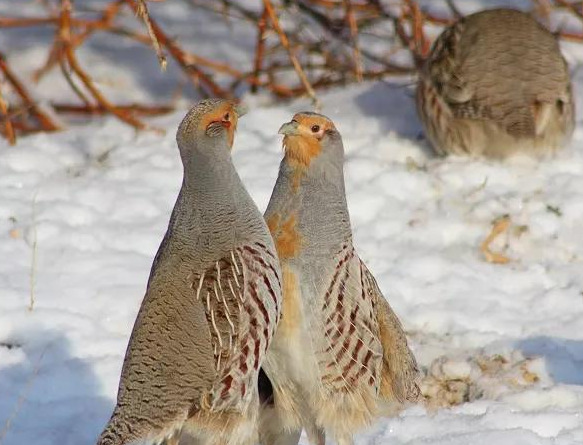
(289, 129)
(241, 110)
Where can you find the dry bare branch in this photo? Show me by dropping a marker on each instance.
(326, 43)
(142, 11)
(69, 54)
(354, 36)
(45, 121)
(8, 128)
(285, 42)
(183, 59)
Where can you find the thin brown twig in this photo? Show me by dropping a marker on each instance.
(192, 58)
(90, 26)
(189, 59)
(259, 47)
(354, 36)
(194, 73)
(144, 110)
(437, 20)
(45, 121)
(52, 59)
(245, 14)
(8, 128)
(108, 15)
(17, 22)
(69, 54)
(343, 80)
(142, 12)
(340, 57)
(67, 75)
(419, 40)
(331, 4)
(571, 36)
(23, 22)
(285, 43)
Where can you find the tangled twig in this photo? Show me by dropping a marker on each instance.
(285, 43)
(42, 121)
(301, 47)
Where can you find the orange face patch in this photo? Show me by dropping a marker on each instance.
(301, 148)
(285, 235)
(226, 116)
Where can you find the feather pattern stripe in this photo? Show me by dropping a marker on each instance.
(240, 321)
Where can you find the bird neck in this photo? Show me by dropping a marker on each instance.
(213, 207)
(315, 200)
(210, 172)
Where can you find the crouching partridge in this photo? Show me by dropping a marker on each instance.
(211, 305)
(339, 353)
(495, 83)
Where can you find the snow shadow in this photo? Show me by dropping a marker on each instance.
(394, 106)
(564, 357)
(48, 396)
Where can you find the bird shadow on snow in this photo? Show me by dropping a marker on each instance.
(563, 357)
(394, 106)
(48, 396)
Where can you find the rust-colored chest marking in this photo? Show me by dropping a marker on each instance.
(288, 245)
(285, 235)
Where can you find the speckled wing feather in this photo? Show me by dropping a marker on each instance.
(352, 351)
(399, 375)
(240, 323)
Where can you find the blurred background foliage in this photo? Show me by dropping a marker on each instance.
(179, 49)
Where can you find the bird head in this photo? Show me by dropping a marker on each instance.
(309, 136)
(210, 121)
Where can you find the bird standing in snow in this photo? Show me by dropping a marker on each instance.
(495, 83)
(339, 352)
(211, 304)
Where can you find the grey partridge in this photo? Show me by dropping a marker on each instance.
(211, 306)
(495, 83)
(339, 356)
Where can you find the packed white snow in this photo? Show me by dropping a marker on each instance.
(83, 211)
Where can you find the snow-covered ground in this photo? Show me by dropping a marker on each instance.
(82, 213)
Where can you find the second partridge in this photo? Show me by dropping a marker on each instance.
(339, 353)
(495, 83)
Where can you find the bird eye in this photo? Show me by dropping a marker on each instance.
(315, 128)
(226, 117)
